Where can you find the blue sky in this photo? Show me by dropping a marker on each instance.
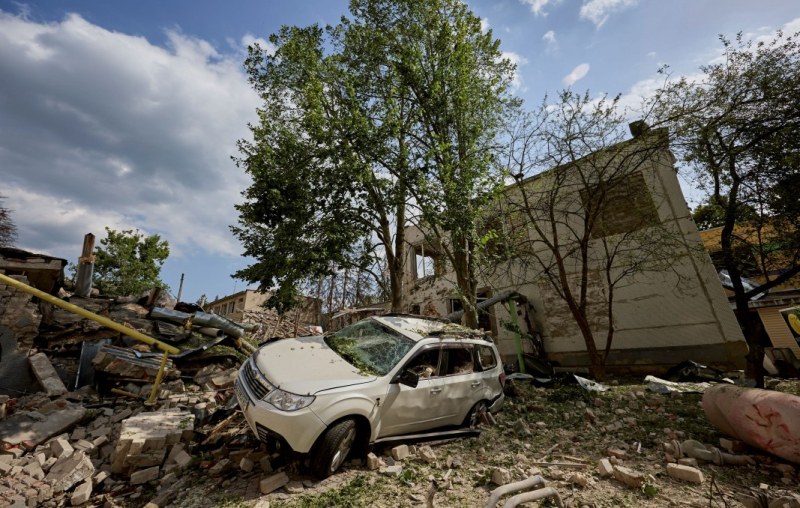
(125, 114)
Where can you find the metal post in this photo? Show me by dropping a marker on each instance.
(180, 288)
(83, 277)
(512, 309)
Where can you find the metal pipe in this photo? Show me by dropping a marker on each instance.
(130, 332)
(528, 483)
(199, 318)
(154, 392)
(210, 332)
(533, 496)
(455, 317)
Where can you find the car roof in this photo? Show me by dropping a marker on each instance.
(417, 328)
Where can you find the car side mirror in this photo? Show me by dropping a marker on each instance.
(409, 378)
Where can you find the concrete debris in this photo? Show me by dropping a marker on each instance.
(144, 438)
(400, 452)
(68, 471)
(272, 483)
(628, 476)
(30, 428)
(81, 494)
(47, 375)
(685, 473)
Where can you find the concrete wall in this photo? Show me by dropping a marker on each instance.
(661, 318)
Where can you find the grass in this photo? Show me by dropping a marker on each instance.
(359, 492)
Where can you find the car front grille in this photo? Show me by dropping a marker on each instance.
(253, 380)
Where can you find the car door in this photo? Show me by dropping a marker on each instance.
(462, 382)
(408, 410)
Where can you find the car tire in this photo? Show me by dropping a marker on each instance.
(473, 420)
(333, 448)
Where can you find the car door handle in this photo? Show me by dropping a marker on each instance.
(435, 390)
(475, 384)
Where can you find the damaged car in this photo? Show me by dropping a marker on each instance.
(383, 379)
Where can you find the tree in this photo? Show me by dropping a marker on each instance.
(129, 263)
(8, 231)
(460, 84)
(738, 127)
(359, 122)
(711, 214)
(583, 212)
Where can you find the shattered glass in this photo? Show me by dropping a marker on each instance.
(370, 347)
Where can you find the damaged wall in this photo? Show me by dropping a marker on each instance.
(19, 314)
(661, 318)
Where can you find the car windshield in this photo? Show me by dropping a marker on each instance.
(370, 347)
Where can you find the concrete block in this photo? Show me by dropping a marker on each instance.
(47, 375)
(68, 471)
(81, 494)
(629, 477)
(220, 467)
(605, 468)
(400, 452)
(501, 476)
(273, 483)
(685, 473)
(426, 453)
(374, 462)
(246, 465)
(392, 470)
(144, 475)
(34, 470)
(60, 448)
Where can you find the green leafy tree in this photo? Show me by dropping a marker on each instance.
(711, 214)
(738, 127)
(358, 123)
(8, 230)
(128, 262)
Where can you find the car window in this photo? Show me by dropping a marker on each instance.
(370, 347)
(458, 360)
(426, 363)
(486, 357)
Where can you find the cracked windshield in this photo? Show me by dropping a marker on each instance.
(370, 347)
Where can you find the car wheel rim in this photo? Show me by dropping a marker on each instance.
(474, 420)
(343, 450)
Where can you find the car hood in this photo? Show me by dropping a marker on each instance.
(306, 365)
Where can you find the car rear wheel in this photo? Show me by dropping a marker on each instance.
(333, 449)
(474, 417)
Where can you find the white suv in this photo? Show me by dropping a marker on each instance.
(381, 379)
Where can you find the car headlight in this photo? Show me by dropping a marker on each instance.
(287, 401)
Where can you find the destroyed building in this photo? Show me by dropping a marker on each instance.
(661, 319)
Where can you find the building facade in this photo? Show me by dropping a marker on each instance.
(661, 318)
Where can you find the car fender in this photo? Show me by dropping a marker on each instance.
(354, 404)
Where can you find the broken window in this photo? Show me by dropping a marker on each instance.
(370, 347)
(458, 360)
(622, 205)
(486, 357)
(426, 363)
(426, 261)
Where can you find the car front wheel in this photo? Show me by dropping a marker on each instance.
(333, 448)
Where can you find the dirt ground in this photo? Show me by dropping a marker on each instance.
(537, 427)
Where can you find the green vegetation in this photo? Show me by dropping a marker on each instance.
(129, 263)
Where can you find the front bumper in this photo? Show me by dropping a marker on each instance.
(298, 429)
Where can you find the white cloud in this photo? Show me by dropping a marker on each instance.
(551, 43)
(517, 60)
(537, 6)
(598, 11)
(250, 39)
(485, 26)
(102, 128)
(577, 73)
